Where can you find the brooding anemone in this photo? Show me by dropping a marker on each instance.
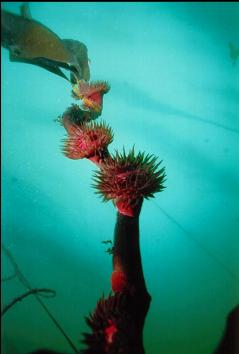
(91, 95)
(73, 116)
(113, 329)
(126, 179)
(88, 140)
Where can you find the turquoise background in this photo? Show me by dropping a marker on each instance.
(174, 93)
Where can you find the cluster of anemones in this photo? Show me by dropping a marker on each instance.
(126, 179)
(91, 95)
(88, 140)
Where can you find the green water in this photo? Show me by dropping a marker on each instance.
(174, 93)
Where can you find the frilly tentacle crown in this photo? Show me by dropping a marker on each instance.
(88, 141)
(91, 95)
(126, 179)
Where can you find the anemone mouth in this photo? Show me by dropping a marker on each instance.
(87, 140)
(91, 95)
(128, 178)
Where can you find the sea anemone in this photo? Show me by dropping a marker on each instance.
(113, 328)
(72, 116)
(126, 179)
(91, 95)
(88, 140)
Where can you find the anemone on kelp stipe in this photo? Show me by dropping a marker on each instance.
(91, 95)
(74, 116)
(111, 325)
(126, 179)
(88, 141)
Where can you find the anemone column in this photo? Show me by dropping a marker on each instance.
(128, 276)
(118, 320)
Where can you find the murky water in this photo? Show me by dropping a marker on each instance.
(174, 93)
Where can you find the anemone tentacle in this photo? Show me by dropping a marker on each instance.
(127, 178)
(87, 140)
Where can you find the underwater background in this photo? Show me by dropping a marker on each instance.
(175, 94)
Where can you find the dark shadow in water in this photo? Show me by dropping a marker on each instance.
(136, 96)
(231, 94)
(234, 53)
(36, 293)
(199, 244)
